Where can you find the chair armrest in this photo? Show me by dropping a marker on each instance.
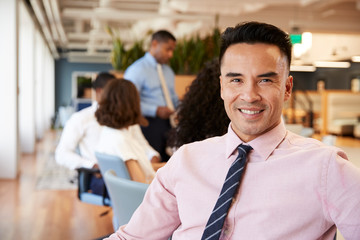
(88, 170)
(84, 176)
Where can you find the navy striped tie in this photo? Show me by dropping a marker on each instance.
(232, 181)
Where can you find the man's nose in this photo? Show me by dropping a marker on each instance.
(250, 93)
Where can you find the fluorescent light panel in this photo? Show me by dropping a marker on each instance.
(355, 58)
(299, 68)
(325, 64)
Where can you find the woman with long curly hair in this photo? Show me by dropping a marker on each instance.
(201, 113)
(120, 115)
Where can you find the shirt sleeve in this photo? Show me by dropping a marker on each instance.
(66, 152)
(157, 217)
(343, 195)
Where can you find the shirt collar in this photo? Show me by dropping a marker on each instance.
(264, 145)
(232, 142)
(151, 59)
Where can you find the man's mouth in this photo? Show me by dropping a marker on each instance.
(250, 111)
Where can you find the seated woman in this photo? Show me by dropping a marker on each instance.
(119, 114)
(201, 113)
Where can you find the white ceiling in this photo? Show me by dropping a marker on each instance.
(76, 28)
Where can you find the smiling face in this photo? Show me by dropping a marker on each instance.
(254, 86)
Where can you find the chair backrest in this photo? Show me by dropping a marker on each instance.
(115, 163)
(126, 196)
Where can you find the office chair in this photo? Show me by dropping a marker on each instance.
(126, 196)
(107, 162)
(115, 163)
(84, 176)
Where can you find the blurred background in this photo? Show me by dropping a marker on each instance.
(51, 50)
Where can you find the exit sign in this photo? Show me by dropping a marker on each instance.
(295, 38)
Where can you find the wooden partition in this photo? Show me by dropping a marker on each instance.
(301, 105)
(334, 111)
(341, 111)
(181, 84)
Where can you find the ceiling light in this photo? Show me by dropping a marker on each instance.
(302, 68)
(355, 58)
(325, 64)
(300, 49)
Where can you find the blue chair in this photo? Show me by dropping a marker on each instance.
(107, 162)
(84, 176)
(115, 163)
(126, 196)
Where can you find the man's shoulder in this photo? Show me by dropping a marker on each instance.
(86, 111)
(141, 62)
(211, 144)
(194, 153)
(311, 144)
(85, 114)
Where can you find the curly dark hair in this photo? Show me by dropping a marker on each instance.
(201, 113)
(119, 105)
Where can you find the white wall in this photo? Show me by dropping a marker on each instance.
(44, 84)
(26, 81)
(9, 82)
(36, 83)
(39, 97)
(49, 86)
(324, 45)
(27, 84)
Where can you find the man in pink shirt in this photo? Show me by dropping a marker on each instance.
(292, 187)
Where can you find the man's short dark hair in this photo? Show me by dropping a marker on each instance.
(101, 79)
(163, 36)
(256, 32)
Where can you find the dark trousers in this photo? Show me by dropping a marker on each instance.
(97, 186)
(156, 134)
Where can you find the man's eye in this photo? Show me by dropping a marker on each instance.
(235, 80)
(265, 80)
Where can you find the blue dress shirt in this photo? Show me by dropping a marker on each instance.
(143, 73)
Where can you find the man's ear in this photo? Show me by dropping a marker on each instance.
(154, 43)
(288, 87)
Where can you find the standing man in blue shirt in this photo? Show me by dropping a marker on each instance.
(144, 73)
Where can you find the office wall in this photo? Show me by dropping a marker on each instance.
(9, 140)
(335, 78)
(63, 78)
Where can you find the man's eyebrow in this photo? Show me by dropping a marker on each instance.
(268, 74)
(233, 74)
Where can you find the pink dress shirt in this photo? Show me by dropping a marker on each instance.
(293, 188)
